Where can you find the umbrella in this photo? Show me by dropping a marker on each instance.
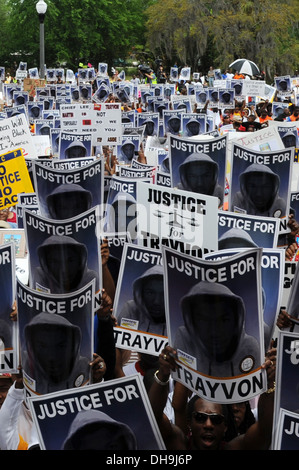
(245, 66)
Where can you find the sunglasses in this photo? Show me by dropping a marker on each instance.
(201, 417)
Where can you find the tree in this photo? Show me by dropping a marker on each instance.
(75, 30)
(216, 33)
(177, 30)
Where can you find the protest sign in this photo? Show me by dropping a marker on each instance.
(63, 255)
(136, 173)
(163, 179)
(201, 97)
(246, 230)
(14, 178)
(226, 98)
(253, 87)
(116, 243)
(121, 206)
(16, 110)
(150, 121)
(35, 110)
(102, 120)
(193, 124)
(20, 212)
(15, 134)
(220, 360)
(15, 236)
(183, 220)
(181, 103)
(260, 181)
(139, 301)
(30, 85)
(70, 164)
(294, 203)
(293, 301)
(283, 85)
(128, 149)
(286, 393)
(286, 435)
(119, 409)
(172, 121)
(9, 351)
(56, 338)
(74, 145)
(42, 145)
(63, 194)
(199, 165)
(264, 140)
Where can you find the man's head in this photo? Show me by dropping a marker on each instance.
(4, 214)
(208, 424)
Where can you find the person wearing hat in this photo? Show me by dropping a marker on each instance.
(225, 120)
(237, 123)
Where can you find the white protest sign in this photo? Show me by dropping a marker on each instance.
(253, 88)
(15, 134)
(102, 120)
(183, 220)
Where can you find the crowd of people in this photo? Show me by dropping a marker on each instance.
(186, 421)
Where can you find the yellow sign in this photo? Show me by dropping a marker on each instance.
(14, 178)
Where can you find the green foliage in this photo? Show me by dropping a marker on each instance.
(184, 31)
(219, 32)
(75, 30)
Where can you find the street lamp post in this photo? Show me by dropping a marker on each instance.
(41, 8)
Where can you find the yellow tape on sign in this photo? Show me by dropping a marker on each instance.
(14, 178)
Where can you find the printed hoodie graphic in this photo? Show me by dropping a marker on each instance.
(136, 309)
(52, 357)
(102, 431)
(259, 192)
(217, 341)
(63, 266)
